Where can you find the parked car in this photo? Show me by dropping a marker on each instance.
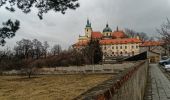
(167, 67)
(164, 61)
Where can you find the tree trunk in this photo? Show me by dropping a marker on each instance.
(29, 75)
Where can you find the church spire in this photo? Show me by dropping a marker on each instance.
(88, 23)
(117, 29)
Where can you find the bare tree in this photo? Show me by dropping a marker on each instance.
(45, 48)
(38, 48)
(165, 31)
(30, 67)
(130, 32)
(56, 49)
(23, 48)
(143, 36)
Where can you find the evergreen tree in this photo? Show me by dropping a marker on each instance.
(93, 52)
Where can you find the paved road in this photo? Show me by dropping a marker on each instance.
(160, 84)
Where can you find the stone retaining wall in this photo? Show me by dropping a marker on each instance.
(130, 85)
(86, 69)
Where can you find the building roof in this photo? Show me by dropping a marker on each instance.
(81, 43)
(111, 41)
(151, 43)
(97, 35)
(107, 29)
(119, 34)
(120, 41)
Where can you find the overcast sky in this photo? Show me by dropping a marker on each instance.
(139, 15)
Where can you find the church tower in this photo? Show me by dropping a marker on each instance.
(88, 29)
(107, 31)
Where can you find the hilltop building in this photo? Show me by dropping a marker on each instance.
(113, 43)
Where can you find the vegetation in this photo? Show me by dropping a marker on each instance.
(28, 55)
(142, 35)
(164, 31)
(8, 30)
(93, 52)
(48, 87)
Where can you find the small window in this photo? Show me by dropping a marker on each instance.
(116, 47)
(120, 47)
(136, 46)
(125, 47)
(132, 47)
(133, 52)
(121, 53)
(112, 52)
(113, 47)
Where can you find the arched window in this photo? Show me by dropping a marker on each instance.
(121, 53)
(133, 52)
(125, 47)
(132, 47)
(136, 46)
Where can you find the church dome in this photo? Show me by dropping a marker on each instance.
(107, 29)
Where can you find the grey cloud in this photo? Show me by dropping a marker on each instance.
(140, 15)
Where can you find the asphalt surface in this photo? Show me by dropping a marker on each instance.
(158, 85)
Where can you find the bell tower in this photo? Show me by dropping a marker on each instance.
(88, 29)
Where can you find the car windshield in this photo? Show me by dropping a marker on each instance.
(168, 62)
(164, 58)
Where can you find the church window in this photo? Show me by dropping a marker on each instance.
(125, 47)
(121, 53)
(133, 52)
(132, 47)
(136, 46)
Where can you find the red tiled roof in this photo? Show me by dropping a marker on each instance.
(97, 35)
(119, 34)
(151, 43)
(81, 43)
(111, 41)
(120, 41)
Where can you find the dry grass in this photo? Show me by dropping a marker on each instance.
(53, 87)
